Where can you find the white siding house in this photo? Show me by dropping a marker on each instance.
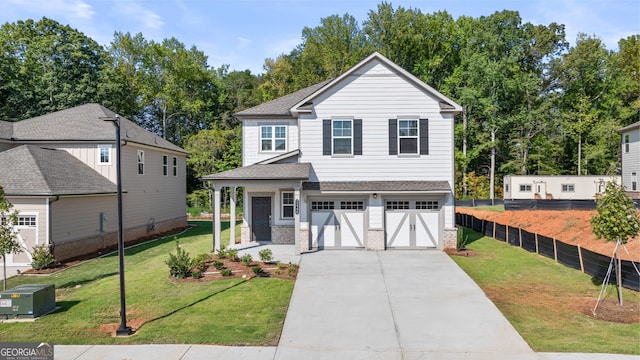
(365, 160)
(556, 187)
(630, 150)
(59, 171)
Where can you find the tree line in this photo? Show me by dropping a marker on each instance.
(532, 103)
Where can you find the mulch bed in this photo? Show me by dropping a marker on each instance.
(240, 270)
(609, 310)
(460, 252)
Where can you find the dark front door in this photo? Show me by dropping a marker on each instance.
(261, 218)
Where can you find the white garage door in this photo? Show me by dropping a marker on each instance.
(332, 228)
(412, 224)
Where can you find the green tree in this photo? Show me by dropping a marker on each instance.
(617, 220)
(8, 239)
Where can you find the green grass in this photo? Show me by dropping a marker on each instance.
(231, 311)
(536, 293)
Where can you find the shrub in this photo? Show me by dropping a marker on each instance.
(218, 264)
(291, 271)
(222, 252)
(196, 274)
(200, 262)
(179, 264)
(42, 258)
(266, 255)
(277, 272)
(226, 272)
(461, 241)
(246, 259)
(281, 266)
(256, 269)
(232, 254)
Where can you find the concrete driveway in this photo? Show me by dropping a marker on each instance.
(393, 305)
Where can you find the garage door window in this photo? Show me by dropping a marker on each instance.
(322, 205)
(427, 205)
(397, 205)
(352, 205)
(27, 221)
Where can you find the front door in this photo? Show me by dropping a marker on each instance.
(261, 218)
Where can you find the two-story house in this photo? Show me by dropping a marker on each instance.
(365, 160)
(59, 171)
(630, 157)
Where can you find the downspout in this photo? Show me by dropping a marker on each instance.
(50, 242)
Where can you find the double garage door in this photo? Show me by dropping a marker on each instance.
(408, 224)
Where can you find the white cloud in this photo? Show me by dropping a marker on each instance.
(69, 9)
(138, 13)
(243, 42)
(283, 46)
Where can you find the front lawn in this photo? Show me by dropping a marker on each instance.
(543, 299)
(234, 311)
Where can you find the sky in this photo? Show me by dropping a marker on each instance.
(243, 33)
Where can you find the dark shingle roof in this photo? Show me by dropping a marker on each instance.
(282, 105)
(84, 123)
(381, 186)
(288, 171)
(6, 130)
(32, 170)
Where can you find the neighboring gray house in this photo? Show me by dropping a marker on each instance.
(556, 187)
(630, 150)
(59, 171)
(365, 160)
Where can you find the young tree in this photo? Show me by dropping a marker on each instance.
(617, 220)
(8, 240)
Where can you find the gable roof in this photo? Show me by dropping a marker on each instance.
(81, 123)
(282, 105)
(630, 127)
(36, 171)
(287, 171)
(446, 104)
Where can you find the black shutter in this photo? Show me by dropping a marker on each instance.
(357, 137)
(393, 136)
(424, 136)
(326, 137)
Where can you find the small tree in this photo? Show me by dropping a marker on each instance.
(617, 220)
(8, 239)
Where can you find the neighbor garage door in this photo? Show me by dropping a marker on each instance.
(337, 224)
(412, 224)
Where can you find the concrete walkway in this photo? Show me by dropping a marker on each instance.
(369, 305)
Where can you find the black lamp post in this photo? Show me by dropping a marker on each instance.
(123, 329)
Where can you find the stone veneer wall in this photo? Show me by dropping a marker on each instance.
(283, 234)
(99, 244)
(304, 240)
(449, 238)
(245, 234)
(375, 239)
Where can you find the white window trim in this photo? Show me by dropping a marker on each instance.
(140, 160)
(27, 214)
(525, 190)
(417, 137)
(174, 166)
(333, 137)
(165, 165)
(566, 186)
(273, 138)
(100, 148)
(282, 205)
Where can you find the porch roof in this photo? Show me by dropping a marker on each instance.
(287, 171)
(379, 186)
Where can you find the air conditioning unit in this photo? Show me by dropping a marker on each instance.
(27, 301)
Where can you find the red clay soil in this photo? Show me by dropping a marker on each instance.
(569, 226)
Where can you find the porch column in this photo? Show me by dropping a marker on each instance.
(232, 216)
(296, 217)
(216, 217)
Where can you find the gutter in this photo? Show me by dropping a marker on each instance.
(50, 242)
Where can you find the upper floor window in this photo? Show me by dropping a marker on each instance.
(165, 165)
(342, 137)
(287, 205)
(273, 138)
(175, 166)
(626, 143)
(408, 136)
(568, 187)
(104, 154)
(525, 187)
(140, 162)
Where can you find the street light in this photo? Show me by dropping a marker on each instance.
(123, 330)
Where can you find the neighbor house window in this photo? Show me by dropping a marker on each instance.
(634, 183)
(525, 187)
(273, 138)
(165, 165)
(342, 138)
(27, 220)
(175, 166)
(408, 136)
(568, 187)
(626, 143)
(104, 154)
(140, 162)
(287, 205)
